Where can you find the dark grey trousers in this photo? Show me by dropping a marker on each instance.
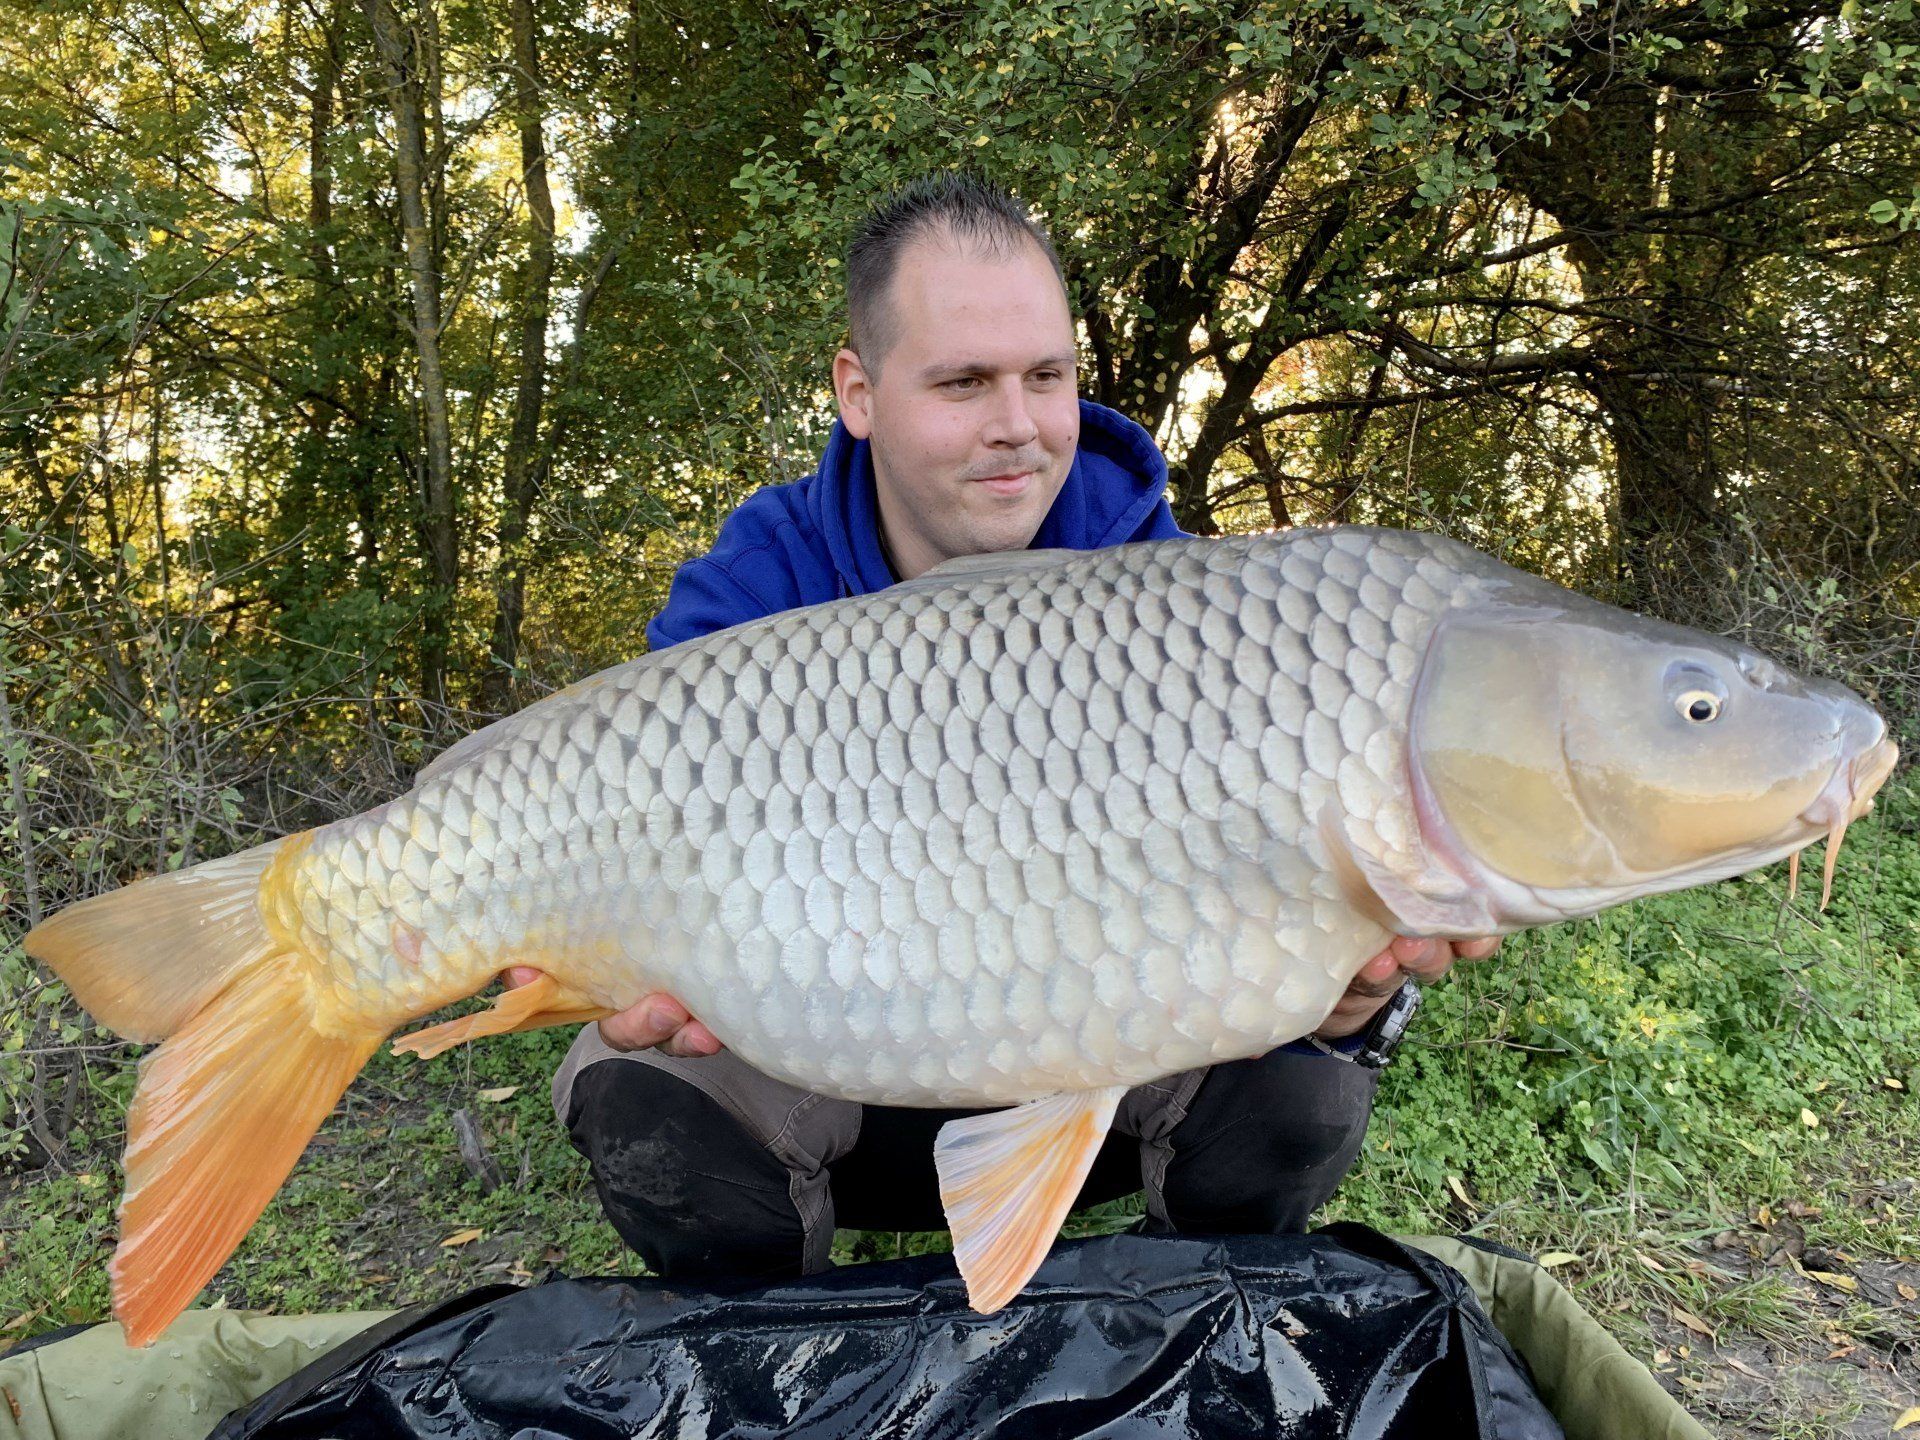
(712, 1171)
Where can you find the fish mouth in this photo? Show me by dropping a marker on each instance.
(1846, 797)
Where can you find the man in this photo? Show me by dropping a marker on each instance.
(961, 432)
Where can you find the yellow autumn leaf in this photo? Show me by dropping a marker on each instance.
(1558, 1257)
(1838, 1282)
(1692, 1321)
(1910, 1417)
(499, 1093)
(1809, 1119)
(462, 1237)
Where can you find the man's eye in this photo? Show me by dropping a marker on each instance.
(963, 380)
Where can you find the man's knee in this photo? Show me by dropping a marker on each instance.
(680, 1178)
(1266, 1141)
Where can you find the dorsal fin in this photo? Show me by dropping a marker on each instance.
(507, 727)
(994, 565)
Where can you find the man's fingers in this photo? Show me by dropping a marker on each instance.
(1379, 976)
(521, 975)
(659, 1020)
(1476, 949)
(1410, 951)
(691, 1041)
(652, 1020)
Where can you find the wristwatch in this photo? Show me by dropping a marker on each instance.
(1383, 1033)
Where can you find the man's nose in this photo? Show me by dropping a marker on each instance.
(1010, 421)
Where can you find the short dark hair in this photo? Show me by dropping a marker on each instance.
(965, 205)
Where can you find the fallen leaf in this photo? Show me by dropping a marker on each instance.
(462, 1237)
(379, 1279)
(499, 1093)
(1651, 1263)
(1911, 1417)
(1558, 1257)
(1809, 1119)
(20, 1320)
(1459, 1189)
(1893, 1084)
(1744, 1368)
(1838, 1282)
(1692, 1321)
(1907, 1292)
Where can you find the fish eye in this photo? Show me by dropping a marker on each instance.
(1698, 706)
(1696, 692)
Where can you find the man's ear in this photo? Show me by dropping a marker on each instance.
(851, 384)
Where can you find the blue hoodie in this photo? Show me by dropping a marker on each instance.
(819, 538)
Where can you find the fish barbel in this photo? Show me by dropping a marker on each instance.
(1026, 831)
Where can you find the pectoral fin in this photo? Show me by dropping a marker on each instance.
(1007, 1181)
(1389, 901)
(537, 1004)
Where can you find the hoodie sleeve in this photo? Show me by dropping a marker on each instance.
(751, 572)
(703, 598)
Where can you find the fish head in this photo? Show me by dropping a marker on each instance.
(1570, 757)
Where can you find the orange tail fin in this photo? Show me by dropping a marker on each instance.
(224, 1107)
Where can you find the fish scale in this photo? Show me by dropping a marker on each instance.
(886, 792)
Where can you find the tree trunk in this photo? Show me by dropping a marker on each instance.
(405, 51)
(1661, 321)
(536, 286)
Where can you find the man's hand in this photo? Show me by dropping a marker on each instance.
(651, 1020)
(1380, 977)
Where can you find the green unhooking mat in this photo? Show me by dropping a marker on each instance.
(91, 1387)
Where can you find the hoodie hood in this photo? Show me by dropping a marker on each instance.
(1117, 478)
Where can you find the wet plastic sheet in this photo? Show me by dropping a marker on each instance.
(1343, 1333)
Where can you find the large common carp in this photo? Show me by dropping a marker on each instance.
(1026, 831)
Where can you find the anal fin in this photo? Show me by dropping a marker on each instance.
(539, 1003)
(1007, 1181)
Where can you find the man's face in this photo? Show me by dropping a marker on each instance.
(975, 415)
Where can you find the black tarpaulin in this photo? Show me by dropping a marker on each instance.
(1343, 1333)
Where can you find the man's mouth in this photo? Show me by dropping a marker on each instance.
(1015, 483)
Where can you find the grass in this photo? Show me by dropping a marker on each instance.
(1698, 1106)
